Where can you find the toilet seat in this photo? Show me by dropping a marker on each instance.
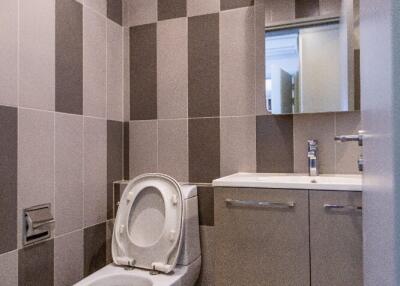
(148, 226)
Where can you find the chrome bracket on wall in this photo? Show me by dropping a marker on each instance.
(38, 223)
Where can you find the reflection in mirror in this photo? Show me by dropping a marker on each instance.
(312, 64)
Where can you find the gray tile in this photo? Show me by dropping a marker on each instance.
(8, 177)
(126, 151)
(202, 7)
(204, 150)
(69, 57)
(35, 160)
(36, 54)
(232, 4)
(68, 258)
(143, 147)
(173, 148)
(95, 171)
(8, 52)
(100, 6)
(204, 82)
(172, 69)
(9, 268)
(143, 72)
(206, 205)
(314, 126)
(94, 64)
(126, 76)
(279, 11)
(275, 144)
(32, 261)
(207, 241)
(115, 62)
(109, 234)
(169, 9)
(68, 172)
(237, 62)
(329, 7)
(114, 11)
(306, 8)
(140, 12)
(114, 160)
(347, 154)
(94, 248)
(238, 145)
(259, 10)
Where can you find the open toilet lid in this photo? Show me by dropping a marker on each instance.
(148, 226)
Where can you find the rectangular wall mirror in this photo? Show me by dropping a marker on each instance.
(312, 60)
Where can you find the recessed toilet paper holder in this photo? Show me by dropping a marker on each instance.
(38, 223)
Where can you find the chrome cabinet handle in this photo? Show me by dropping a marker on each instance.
(347, 138)
(350, 208)
(259, 204)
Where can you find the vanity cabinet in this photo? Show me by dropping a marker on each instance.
(281, 237)
(336, 238)
(261, 245)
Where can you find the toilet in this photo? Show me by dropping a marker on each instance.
(156, 236)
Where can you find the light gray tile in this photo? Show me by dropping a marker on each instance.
(37, 54)
(8, 52)
(173, 148)
(95, 171)
(328, 7)
(68, 259)
(237, 62)
(202, 7)
(314, 126)
(35, 160)
(9, 268)
(172, 68)
(277, 11)
(126, 76)
(68, 172)
(114, 71)
(238, 145)
(261, 105)
(207, 240)
(99, 6)
(94, 64)
(143, 147)
(141, 12)
(347, 154)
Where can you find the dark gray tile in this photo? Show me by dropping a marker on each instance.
(232, 4)
(306, 8)
(114, 10)
(114, 160)
(94, 240)
(36, 265)
(169, 9)
(204, 79)
(206, 205)
(8, 178)
(143, 67)
(126, 151)
(204, 150)
(69, 57)
(274, 144)
(357, 80)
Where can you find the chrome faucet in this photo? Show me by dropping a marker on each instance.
(312, 155)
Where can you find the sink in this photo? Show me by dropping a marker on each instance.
(291, 181)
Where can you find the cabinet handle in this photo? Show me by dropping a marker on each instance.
(349, 208)
(259, 204)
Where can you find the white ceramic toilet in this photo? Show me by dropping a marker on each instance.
(156, 236)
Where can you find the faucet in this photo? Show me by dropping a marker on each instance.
(312, 154)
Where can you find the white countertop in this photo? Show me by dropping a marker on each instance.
(291, 181)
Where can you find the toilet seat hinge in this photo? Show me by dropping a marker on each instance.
(154, 271)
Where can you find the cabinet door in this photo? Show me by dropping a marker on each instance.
(335, 239)
(265, 245)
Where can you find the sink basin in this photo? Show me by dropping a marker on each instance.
(291, 181)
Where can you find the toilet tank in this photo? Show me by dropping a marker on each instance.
(190, 248)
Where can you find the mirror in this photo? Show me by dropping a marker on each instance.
(312, 63)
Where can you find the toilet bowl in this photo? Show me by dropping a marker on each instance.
(155, 238)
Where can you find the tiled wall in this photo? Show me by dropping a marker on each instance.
(61, 125)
